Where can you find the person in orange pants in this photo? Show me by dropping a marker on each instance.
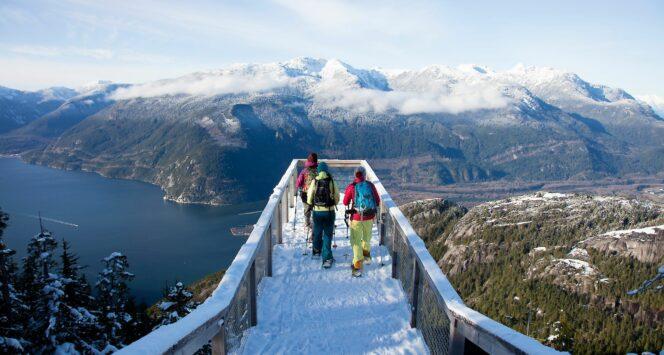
(363, 196)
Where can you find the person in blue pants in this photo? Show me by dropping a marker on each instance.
(323, 194)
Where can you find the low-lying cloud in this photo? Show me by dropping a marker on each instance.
(326, 93)
(205, 85)
(459, 99)
(656, 102)
(47, 51)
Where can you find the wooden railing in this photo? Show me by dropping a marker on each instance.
(447, 325)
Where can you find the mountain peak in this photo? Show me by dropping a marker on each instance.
(306, 65)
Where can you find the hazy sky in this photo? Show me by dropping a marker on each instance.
(73, 42)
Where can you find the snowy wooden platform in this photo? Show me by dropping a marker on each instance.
(272, 299)
(304, 309)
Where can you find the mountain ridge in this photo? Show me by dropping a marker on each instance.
(198, 135)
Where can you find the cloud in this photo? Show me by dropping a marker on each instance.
(46, 51)
(339, 90)
(355, 17)
(207, 84)
(93, 53)
(38, 72)
(459, 99)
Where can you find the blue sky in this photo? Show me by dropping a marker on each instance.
(73, 42)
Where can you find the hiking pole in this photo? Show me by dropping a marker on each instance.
(305, 251)
(347, 235)
(294, 211)
(334, 243)
(380, 247)
(346, 221)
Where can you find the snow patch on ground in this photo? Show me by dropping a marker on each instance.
(626, 232)
(512, 224)
(552, 195)
(578, 253)
(582, 266)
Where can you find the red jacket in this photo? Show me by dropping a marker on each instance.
(349, 195)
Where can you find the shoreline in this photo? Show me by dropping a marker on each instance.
(165, 196)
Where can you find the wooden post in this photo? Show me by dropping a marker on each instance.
(382, 229)
(415, 293)
(280, 222)
(269, 250)
(286, 209)
(219, 341)
(252, 295)
(394, 250)
(289, 199)
(291, 190)
(457, 340)
(393, 226)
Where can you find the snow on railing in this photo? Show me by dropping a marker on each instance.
(466, 323)
(206, 322)
(447, 324)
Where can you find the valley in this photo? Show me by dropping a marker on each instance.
(650, 187)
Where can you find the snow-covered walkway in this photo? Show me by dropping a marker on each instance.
(304, 309)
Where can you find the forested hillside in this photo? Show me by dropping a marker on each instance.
(558, 267)
(47, 305)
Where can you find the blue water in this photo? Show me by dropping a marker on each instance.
(163, 241)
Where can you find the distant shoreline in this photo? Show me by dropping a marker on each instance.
(10, 156)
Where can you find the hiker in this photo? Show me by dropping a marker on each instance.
(324, 196)
(365, 200)
(305, 178)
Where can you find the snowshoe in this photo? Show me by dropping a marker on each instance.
(315, 254)
(356, 272)
(327, 264)
(367, 256)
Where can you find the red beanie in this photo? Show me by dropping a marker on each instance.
(313, 157)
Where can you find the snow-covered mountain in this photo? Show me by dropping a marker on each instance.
(656, 102)
(432, 89)
(464, 123)
(333, 84)
(18, 108)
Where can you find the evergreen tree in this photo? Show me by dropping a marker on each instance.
(77, 324)
(177, 303)
(77, 290)
(53, 312)
(42, 290)
(113, 296)
(12, 308)
(141, 324)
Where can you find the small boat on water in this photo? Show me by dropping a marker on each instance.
(242, 231)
